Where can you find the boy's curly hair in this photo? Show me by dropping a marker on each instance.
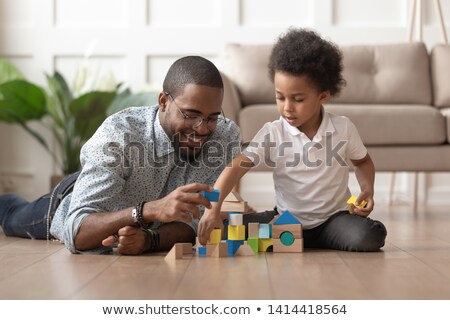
(304, 52)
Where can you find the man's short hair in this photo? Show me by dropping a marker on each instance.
(191, 70)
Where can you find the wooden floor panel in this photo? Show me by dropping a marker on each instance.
(414, 264)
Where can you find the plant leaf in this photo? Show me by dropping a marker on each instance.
(8, 72)
(21, 101)
(89, 112)
(127, 99)
(60, 95)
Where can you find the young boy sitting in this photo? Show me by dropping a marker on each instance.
(309, 149)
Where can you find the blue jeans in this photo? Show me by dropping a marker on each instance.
(21, 218)
(342, 231)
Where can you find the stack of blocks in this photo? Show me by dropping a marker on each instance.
(287, 234)
(284, 235)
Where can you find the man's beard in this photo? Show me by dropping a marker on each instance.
(185, 153)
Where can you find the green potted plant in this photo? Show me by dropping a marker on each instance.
(71, 118)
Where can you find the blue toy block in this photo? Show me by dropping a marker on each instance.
(211, 196)
(233, 246)
(202, 251)
(286, 218)
(265, 231)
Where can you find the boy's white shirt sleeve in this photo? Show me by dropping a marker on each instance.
(355, 149)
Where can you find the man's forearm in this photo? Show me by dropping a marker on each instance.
(98, 226)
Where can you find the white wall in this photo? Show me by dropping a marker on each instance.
(138, 39)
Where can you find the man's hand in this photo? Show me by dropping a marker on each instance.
(132, 241)
(178, 205)
(211, 220)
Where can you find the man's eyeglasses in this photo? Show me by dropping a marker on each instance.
(195, 121)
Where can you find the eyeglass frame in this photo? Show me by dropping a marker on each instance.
(189, 118)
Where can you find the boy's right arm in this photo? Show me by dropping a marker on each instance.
(229, 177)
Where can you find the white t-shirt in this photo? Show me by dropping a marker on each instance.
(310, 177)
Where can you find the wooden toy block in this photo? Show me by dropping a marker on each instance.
(265, 231)
(235, 219)
(287, 238)
(245, 250)
(352, 200)
(264, 244)
(234, 202)
(207, 250)
(179, 250)
(221, 250)
(296, 246)
(215, 237)
(236, 232)
(287, 218)
(253, 230)
(202, 251)
(295, 229)
(212, 196)
(233, 246)
(253, 243)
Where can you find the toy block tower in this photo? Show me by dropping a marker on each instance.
(287, 234)
(236, 232)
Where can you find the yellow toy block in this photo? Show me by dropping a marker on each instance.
(263, 244)
(215, 236)
(352, 200)
(236, 232)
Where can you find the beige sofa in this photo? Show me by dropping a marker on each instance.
(398, 96)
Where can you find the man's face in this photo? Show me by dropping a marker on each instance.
(176, 114)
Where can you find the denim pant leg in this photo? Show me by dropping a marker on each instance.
(349, 232)
(21, 218)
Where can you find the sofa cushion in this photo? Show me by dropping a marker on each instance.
(375, 74)
(377, 124)
(247, 67)
(440, 71)
(379, 74)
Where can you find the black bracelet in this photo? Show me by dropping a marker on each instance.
(138, 217)
(153, 236)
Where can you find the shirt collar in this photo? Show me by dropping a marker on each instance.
(163, 145)
(325, 126)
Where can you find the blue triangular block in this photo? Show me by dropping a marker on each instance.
(233, 246)
(286, 218)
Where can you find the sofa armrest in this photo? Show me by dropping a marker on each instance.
(446, 113)
(231, 104)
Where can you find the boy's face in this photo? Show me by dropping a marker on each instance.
(299, 101)
(196, 101)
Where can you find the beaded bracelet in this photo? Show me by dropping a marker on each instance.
(153, 235)
(138, 217)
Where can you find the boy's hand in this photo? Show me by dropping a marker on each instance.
(210, 220)
(364, 212)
